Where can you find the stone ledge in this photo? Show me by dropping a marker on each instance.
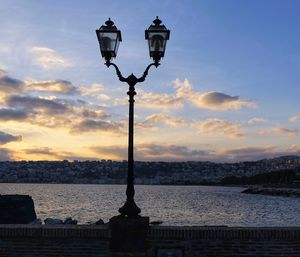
(225, 233)
(54, 231)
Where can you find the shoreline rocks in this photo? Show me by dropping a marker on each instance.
(67, 221)
(51, 221)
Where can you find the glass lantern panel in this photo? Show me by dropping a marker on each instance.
(117, 46)
(108, 41)
(157, 42)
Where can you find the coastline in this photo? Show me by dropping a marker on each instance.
(273, 191)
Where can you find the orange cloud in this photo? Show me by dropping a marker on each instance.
(162, 118)
(51, 86)
(219, 127)
(90, 125)
(279, 131)
(184, 93)
(256, 120)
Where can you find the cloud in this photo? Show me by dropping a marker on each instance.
(50, 111)
(255, 153)
(210, 100)
(294, 118)
(249, 150)
(47, 58)
(95, 91)
(279, 131)
(219, 101)
(8, 84)
(168, 152)
(12, 114)
(184, 93)
(286, 131)
(247, 153)
(90, 125)
(219, 127)
(51, 121)
(42, 112)
(52, 86)
(256, 120)
(86, 113)
(158, 101)
(162, 118)
(293, 149)
(7, 138)
(39, 150)
(47, 151)
(47, 111)
(30, 103)
(153, 152)
(12, 85)
(5, 154)
(70, 116)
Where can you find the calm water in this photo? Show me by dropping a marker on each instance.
(174, 205)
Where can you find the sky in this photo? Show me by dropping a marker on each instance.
(227, 89)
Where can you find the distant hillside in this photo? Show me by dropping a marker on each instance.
(273, 177)
(277, 170)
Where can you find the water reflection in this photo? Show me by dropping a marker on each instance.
(174, 205)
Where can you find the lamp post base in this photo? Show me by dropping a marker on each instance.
(128, 235)
(130, 209)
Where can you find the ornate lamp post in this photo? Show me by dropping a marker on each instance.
(109, 38)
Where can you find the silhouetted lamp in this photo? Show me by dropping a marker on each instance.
(157, 36)
(109, 38)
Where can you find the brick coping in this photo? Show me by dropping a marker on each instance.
(155, 232)
(223, 233)
(54, 231)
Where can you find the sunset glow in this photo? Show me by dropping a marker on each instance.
(227, 90)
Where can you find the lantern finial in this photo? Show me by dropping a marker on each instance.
(157, 21)
(109, 22)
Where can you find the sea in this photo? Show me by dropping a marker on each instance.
(172, 205)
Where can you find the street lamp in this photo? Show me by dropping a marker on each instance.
(157, 36)
(109, 38)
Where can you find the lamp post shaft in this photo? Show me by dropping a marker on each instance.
(130, 209)
(130, 178)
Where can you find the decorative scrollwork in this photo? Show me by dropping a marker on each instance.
(131, 79)
(119, 74)
(141, 79)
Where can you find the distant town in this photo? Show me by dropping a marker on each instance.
(150, 173)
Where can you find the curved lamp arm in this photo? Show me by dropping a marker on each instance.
(119, 74)
(131, 79)
(141, 79)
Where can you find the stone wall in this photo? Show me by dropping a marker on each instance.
(54, 241)
(92, 241)
(225, 241)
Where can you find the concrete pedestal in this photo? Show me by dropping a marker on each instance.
(128, 235)
(16, 209)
